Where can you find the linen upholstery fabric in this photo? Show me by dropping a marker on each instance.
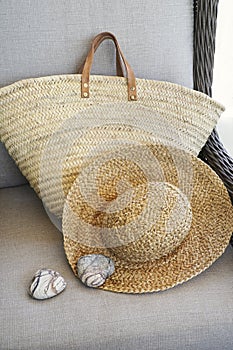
(42, 38)
(10, 175)
(196, 315)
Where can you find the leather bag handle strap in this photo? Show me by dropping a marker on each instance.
(99, 38)
(131, 81)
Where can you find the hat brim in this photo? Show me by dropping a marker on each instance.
(207, 239)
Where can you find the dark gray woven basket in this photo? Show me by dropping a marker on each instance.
(205, 20)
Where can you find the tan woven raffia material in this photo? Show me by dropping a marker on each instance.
(32, 110)
(157, 258)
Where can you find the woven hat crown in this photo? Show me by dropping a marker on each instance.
(168, 228)
(122, 200)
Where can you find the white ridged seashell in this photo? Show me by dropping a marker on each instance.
(94, 269)
(46, 284)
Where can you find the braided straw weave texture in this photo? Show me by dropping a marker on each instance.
(33, 110)
(175, 244)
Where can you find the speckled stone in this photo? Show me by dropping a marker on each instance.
(46, 284)
(94, 269)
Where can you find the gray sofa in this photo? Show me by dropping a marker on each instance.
(41, 38)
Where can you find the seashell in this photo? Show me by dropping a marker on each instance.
(46, 284)
(94, 269)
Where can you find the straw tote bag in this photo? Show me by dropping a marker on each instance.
(52, 125)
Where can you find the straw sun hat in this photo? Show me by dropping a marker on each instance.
(159, 232)
(137, 196)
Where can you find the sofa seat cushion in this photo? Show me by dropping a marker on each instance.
(195, 315)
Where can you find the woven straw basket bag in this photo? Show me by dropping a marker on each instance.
(111, 155)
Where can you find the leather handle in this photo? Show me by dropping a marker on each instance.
(99, 38)
(131, 81)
